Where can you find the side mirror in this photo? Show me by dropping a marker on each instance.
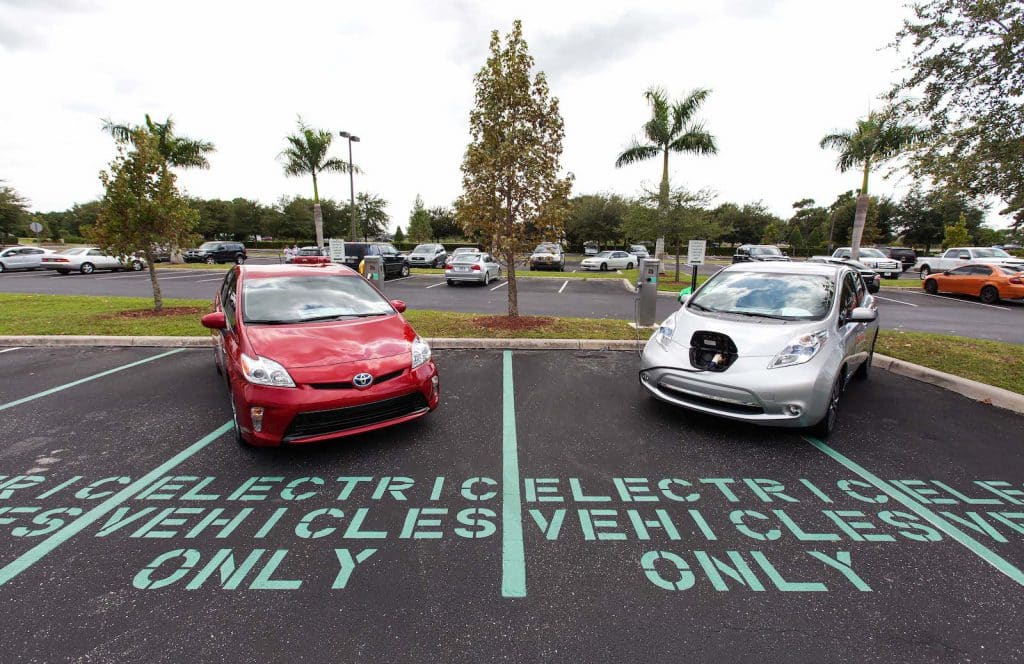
(684, 295)
(214, 321)
(947, 273)
(399, 305)
(862, 315)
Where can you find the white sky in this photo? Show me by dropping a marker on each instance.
(400, 76)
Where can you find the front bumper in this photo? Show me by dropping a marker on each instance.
(305, 414)
(748, 391)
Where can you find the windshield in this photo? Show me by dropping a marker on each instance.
(991, 253)
(425, 249)
(307, 298)
(546, 249)
(785, 296)
(467, 258)
(1007, 270)
(309, 251)
(603, 254)
(765, 251)
(871, 253)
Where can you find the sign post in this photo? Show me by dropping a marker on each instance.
(695, 256)
(337, 250)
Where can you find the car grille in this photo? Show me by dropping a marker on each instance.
(343, 419)
(710, 402)
(347, 385)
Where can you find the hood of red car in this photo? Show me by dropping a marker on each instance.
(334, 342)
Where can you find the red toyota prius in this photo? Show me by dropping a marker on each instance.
(316, 352)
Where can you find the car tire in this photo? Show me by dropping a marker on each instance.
(405, 270)
(487, 277)
(2, 268)
(604, 267)
(827, 424)
(931, 286)
(136, 266)
(450, 282)
(629, 266)
(210, 260)
(239, 259)
(864, 370)
(989, 295)
(87, 268)
(237, 431)
(925, 271)
(63, 271)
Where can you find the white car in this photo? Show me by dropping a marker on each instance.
(957, 256)
(639, 251)
(874, 259)
(479, 267)
(609, 260)
(89, 259)
(22, 258)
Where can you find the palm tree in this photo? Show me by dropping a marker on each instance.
(670, 129)
(877, 139)
(306, 154)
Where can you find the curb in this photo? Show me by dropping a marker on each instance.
(986, 394)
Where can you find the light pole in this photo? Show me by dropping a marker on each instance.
(352, 184)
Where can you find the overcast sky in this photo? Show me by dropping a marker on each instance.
(400, 76)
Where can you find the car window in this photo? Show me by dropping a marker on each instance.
(981, 270)
(991, 253)
(952, 253)
(388, 250)
(32, 251)
(95, 252)
(765, 251)
(546, 248)
(862, 292)
(771, 295)
(872, 253)
(849, 296)
(306, 298)
(965, 254)
(1006, 269)
(228, 298)
(961, 271)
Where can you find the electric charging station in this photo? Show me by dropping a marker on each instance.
(373, 268)
(647, 292)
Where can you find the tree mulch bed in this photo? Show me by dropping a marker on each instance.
(163, 313)
(519, 323)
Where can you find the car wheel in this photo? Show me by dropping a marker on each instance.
(405, 270)
(487, 277)
(137, 266)
(629, 266)
(2, 268)
(63, 271)
(604, 267)
(239, 259)
(234, 420)
(864, 370)
(931, 287)
(87, 268)
(210, 260)
(989, 295)
(827, 424)
(450, 282)
(925, 271)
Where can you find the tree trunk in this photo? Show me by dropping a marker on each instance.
(318, 224)
(677, 260)
(858, 225)
(663, 189)
(513, 294)
(158, 298)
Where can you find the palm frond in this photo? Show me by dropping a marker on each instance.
(696, 140)
(119, 132)
(684, 110)
(636, 153)
(338, 166)
(838, 141)
(657, 128)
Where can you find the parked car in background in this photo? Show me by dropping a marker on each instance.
(394, 264)
(465, 250)
(310, 256)
(766, 343)
(89, 259)
(872, 279)
(638, 251)
(874, 259)
(428, 255)
(217, 252)
(957, 256)
(22, 258)
(989, 283)
(609, 260)
(591, 248)
(477, 268)
(747, 253)
(906, 257)
(547, 256)
(310, 355)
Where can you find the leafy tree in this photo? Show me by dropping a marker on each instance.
(671, 129)
(922, 217)
(512, 192)
(814, 242)
(443, 223)
(373, 217)
(141, 208)
(796, 241)
(13, 209)
(596, 217)
(956, 235)
(419, 222)
(399, 235)
(685, 219)
(965, 77)
(876, 139)
(843, 215)
(306, 154)
(746, 224)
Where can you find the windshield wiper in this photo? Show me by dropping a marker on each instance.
(760, 315)
(338, 317)
(270, 321)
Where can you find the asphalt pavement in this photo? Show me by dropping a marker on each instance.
(549, 510)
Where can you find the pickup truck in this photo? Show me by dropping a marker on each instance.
(958, 256)
(874, 259)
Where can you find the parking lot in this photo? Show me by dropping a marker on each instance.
(547, 511)
(548, 296)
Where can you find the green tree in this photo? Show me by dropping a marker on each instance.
(956, 235)
(796, 242)
(965, 75)
(876, 139)
(596, 217)
(672, 128)
(443, 223)
(684, 219)
(307, 154)
(13, 209)
(372, 214)
(922, 216)
(512, 190)
(399, 235)
(141, 207)
(419, 222)
(746, 224)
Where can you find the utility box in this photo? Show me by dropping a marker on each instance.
(647, 292)
(373, 268)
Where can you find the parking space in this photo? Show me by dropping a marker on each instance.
(548, 510)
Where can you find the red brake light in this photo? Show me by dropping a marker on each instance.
(476, 267)
(447, 266)
(1016, 281)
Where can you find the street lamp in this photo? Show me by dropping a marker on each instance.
(352, 184)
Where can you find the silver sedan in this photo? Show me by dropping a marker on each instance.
(479, 268)
(89, 259)
(766, 343)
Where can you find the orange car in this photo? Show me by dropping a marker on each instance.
(988, 282)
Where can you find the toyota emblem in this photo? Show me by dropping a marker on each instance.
(362, 380)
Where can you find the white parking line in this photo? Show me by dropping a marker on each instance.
(401, 278)
(885, 299)
(203, 281)
(563, 286)
(133, 275)
(502, 284)
(185, 276)
(953, 299)
(440, 283)
(8, 350)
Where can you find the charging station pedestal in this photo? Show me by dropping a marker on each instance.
(373, 269)
(647, 292)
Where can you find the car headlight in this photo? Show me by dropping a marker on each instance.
(665, 331)
(263, 371)
(420, 352)
(800, 350)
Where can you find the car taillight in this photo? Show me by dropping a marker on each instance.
(447, 266)
(56, 260)
(1016, 281)
(476, 267)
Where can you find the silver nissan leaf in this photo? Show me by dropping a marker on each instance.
(767, 343)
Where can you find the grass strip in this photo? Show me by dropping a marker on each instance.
(991, 362)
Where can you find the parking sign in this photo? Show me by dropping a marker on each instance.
(337, 250)
(695, 252)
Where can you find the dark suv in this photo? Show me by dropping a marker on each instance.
(758, 252)
(394, 265)
(217, 252)
(908, 257)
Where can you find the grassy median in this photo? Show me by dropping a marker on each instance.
(991, 362)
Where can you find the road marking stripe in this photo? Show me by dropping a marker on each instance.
(513, 555)
(36, 553)
(203, 281)
(957, 535)
(563, 286)
(8, 350)
(501, 285)
(101, 374)
(440, 283)
(879, 297)
(402, 278)
(956, 299)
